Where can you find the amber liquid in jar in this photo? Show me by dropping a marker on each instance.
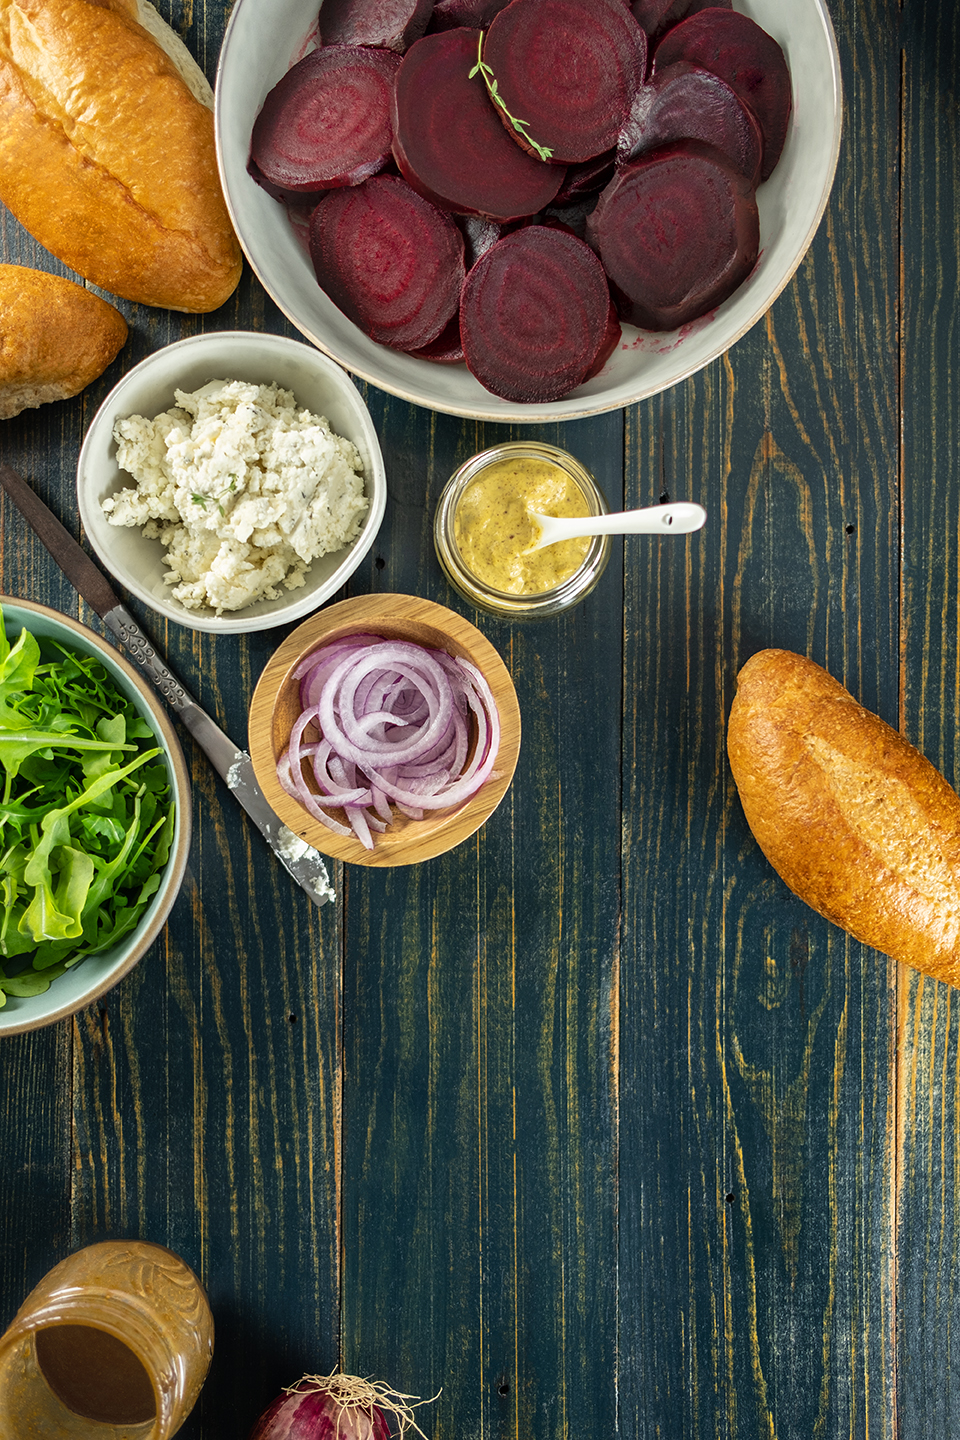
(95, 1375)
(494, 532)
(113, 1344)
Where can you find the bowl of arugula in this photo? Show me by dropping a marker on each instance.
(94, 820)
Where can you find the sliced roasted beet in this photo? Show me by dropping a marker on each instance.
(568, 70)
(743, 54)
(303, 199)
(587, 178)
(447, 349)
(573, 215)
(448, 141)
(474, 14)
(391, 260)
(392, 24)
(677, 231)
(657, 16)
(684, 102)
(609, 343)
(534, 313)
(328, 121)
(478, 235)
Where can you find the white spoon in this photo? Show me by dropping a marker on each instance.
(678, 519)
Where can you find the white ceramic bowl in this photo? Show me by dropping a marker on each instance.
(96, 974)
(148, 389)
(264, 37)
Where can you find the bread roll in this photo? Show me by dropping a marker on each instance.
(55, 337)
(855, 820)
(107, 154)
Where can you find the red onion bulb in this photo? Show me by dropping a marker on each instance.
(337, 1407)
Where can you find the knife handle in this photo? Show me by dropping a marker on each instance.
(133, 640)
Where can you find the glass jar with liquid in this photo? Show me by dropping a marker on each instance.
(483, 532)
(113, 1344)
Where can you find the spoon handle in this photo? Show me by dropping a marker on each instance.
(678, 518)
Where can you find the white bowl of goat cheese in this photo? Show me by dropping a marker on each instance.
(232, 481)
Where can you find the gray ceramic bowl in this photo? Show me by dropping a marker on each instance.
(262, 40)
(96, 974)
(148, 389)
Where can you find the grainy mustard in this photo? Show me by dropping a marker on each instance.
(494, 532)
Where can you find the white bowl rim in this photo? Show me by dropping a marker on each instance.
(246, 621)
(158, 912)
(577, 406)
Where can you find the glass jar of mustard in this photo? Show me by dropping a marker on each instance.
(484, 535)
(115, 1340)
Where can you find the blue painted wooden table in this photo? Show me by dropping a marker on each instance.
(589, 1125)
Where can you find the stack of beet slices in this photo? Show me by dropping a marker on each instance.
(502, 182)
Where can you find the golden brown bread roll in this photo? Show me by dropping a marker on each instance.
(55, 338)
(107, 155)
(856, 821)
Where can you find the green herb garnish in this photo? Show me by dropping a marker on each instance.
(86, 812)
(482, 68)
(198, 499)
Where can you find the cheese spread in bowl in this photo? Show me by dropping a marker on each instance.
(241, 487)
(232, 481)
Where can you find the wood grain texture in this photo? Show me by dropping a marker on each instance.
(928, 1154)
(588, 1125)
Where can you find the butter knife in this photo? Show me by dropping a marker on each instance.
(234, 765)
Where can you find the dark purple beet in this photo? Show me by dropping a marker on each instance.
(392, 24)
(302, 199)
(658, 16)
(684, 102)
(751, 62)
(569, 69)
(586, 179)
(449, 143)
(655, 16)
(677, 231)
(534, 314)
(478, 235)
(389, 259)
(573, 214)
(609, 343)
(327, 122)
(447, 349)
(474, 14)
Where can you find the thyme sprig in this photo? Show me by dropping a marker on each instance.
(482, 68)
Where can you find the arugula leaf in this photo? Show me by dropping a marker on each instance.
(86, 812)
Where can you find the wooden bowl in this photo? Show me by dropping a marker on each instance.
(276, 705)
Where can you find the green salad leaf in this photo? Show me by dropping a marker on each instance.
(86, 812)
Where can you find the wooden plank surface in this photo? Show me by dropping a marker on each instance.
(589, 1126)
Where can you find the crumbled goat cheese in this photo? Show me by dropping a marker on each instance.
(241, 488)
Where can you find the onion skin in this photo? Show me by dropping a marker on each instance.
(315, 1415)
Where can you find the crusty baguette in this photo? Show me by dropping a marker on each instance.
(857, 822)
(55, 338)
(107, 156)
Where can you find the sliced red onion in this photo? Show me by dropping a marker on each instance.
(395, 721)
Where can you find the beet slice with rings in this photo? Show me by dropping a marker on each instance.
(447, 349)
(327, 122)
(677, 230)
(657, 16)
(611, 339)
(448, 142)
(567, 69)
(684, 102)
(743, 54)
(474, 14)
(391, 260)
(534, 314)
(393, 24)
